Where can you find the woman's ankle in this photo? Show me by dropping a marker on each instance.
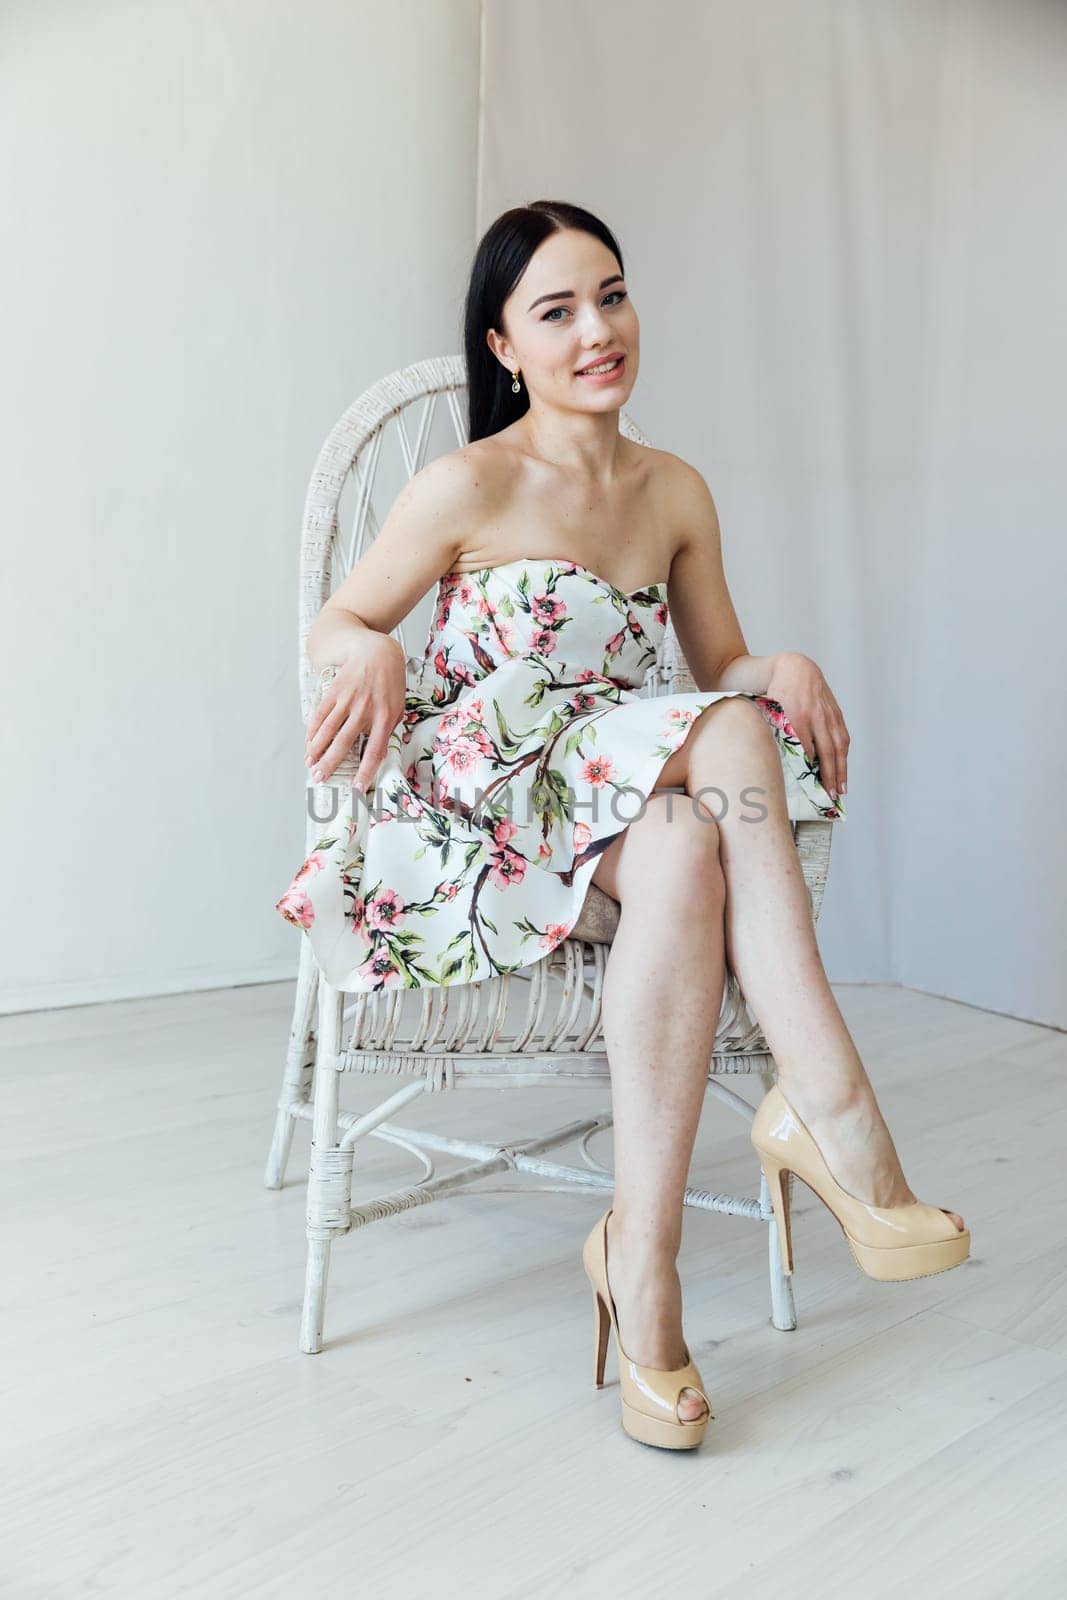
(650, 1240)
(826, 1093)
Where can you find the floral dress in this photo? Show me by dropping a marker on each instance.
(524, 749)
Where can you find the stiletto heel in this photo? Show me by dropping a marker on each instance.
(601, 1329)
(778, 1182)
(650, 1395)
(889, 1243)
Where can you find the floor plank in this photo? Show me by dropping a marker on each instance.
(163, 1435)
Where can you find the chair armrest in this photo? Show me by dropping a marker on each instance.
(813, 838)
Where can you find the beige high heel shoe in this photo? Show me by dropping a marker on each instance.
(889, 1243)
(650, 1395)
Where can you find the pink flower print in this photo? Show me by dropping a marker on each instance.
(447, 890)
(773, 709)
(615, 643)
(504, 830)
(382, 967)
(386, 910)
(314, 863)
(677, 727)
(507, 867)
(586, 675)
(545, 609)
(544, 850)
(440, 664)
(462, 755)
(583, 701)
(296, 908)
(555, 933)
(597, 770)
(660, 612)
(543, 641)
(581, 836)
(456, 719)
(476, 733)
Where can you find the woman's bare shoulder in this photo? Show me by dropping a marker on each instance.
(677, 476)
(469, 467)
(456, 487)
(664, 472)
(682, 498)
(469, 480)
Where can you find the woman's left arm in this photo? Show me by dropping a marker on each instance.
(807, 700)
(714, 647)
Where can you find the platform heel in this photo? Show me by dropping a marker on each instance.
(778, 1183)
(891, 1244)
(649, 1395)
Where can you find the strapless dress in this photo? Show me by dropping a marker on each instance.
(525, 748)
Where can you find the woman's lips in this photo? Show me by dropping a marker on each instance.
(604, 377)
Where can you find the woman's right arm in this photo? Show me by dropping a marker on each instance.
(366, 695)
(420, 540)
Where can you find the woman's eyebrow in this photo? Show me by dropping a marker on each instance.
(569, 294)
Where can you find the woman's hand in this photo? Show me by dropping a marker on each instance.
(367, 695)
(804, 695)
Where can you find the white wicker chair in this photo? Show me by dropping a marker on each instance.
(461, 1036)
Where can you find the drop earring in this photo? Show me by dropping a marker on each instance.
(516, 385)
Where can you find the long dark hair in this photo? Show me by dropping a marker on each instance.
(499, 263)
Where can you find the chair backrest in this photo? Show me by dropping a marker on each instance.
(399, 411)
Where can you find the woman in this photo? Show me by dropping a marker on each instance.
(555, 541)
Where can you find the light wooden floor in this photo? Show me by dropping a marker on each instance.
(162, 1435)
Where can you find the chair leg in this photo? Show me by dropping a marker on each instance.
(299, 1066)
(783, 1306)
(329, 1197)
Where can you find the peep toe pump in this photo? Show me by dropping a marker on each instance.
(650, 1395)
(889, 1243)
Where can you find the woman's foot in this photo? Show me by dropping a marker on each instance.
(850, 1130)
(647, 1292)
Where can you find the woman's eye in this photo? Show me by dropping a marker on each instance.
(549, 315)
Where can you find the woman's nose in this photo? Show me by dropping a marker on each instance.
(596, 330)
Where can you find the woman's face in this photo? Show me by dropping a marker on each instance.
(569, 310)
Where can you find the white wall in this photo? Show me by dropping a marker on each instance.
(844, 234)
(844, 237)
(222, 223)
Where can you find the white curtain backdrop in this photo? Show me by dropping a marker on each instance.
(222, 222)
(843, 227)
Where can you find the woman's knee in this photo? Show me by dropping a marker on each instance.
(735, 725)
(736, 718)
